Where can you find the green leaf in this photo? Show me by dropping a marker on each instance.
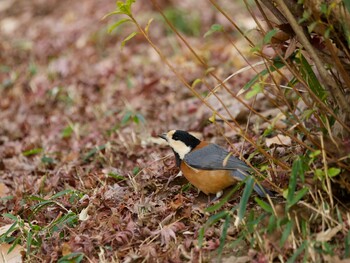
(5, 198)
(304, 228)
(266, 206)
(119, 4)
(39, 206)
(14, 244)
(61, 193)
(74, 257)
(136, 170)
(214, 28)
(324, 8)
(118, 23)
(116, 176)
(347, 245)
(93, 151)
(201, 233)
(310, 78)
(129, 2)
(128, 38)
(347, 4)
(319, 174)
(32, 69)
(224, 235)
(186, 187)
(32, 151)
(269, 35)
(197, 81)
(223, 200)
(29, 241)
(69, 219)
(286, 233)
(272, 225)
(255, 90)
(248, 189)
(148, 25)
(139, 118)
(216, 217)
(117, 12)
(126, 118)
(298, 195)
(302, 247)
(277, 64)
(12, 228)
(67, 132)
(333, 171)
(328, 32)
(47, 160)
(10, 216)
(297, 171)
(36, 198)
(256, 49)
(315, 154)
(306, 16)
(312, 26)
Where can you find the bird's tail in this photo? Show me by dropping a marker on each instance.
(260, 190)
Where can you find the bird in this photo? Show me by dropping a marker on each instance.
(208, 166)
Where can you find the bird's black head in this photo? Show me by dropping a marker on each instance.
(181, 142)
(186, 138)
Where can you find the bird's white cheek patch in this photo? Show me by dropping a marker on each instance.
(179, 147)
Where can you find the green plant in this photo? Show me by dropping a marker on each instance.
(31, 233)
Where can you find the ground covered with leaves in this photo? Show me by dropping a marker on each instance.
(82, 172)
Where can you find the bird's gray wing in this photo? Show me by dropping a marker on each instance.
(214, 157)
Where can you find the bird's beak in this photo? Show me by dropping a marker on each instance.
(163, 136)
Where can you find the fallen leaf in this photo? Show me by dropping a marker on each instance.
(327, 235)
(335, 259)
(279, 140)
(14, 257)
(83, 216)
(233, 259)
(4, 190)
(4, 228)
(66, 249)
(177, 202)
(168, 232)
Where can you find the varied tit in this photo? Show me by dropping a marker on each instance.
(208, 166)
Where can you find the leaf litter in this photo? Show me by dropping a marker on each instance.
(78, 113)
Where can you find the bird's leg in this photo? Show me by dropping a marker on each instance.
(217, 196)
(172, 178)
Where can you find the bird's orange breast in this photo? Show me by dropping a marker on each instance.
(208, 181)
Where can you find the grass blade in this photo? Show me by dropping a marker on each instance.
(248, 189)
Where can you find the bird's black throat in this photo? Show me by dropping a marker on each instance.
(177, 159)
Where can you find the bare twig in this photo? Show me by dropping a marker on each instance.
(333, 89)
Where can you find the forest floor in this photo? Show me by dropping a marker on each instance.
(81, 167)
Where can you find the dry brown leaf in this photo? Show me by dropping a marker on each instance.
(327, 235)
(3, 229)
(14, 257)
(279, 140)
(169, 232)
(335, 259)
(83, 215)
(177, 202)
(4, 190)
(66, 249)
(233, 259)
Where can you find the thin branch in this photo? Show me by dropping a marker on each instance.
(332, 86)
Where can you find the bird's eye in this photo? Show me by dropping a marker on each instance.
(175, 137)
